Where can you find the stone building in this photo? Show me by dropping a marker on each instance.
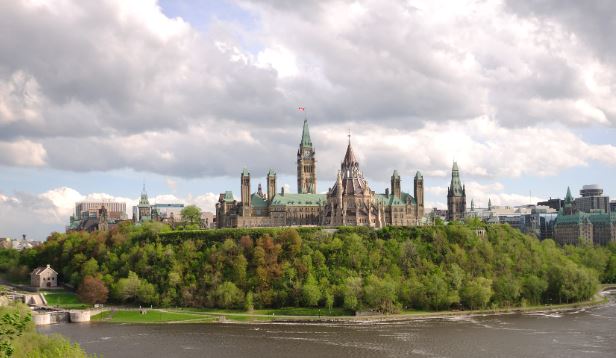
(573, 226)
(350, 201)
(44, 276)
(456, 196)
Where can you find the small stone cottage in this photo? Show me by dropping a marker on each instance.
(43, 277)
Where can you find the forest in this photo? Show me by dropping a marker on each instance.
(390, 270)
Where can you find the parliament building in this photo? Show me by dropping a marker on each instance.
(350, 201)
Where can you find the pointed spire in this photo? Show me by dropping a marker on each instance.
(489, 204)
(568, 197)
(395, 174)
(472, 204)
(306, 142)
(245, 172)
(456, 185)
(418, 175)
(349, 158)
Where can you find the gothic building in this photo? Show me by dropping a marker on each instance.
(573, 226)
(350, 201)
(456, 196)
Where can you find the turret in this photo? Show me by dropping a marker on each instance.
(271, 184)
(306, 164)
(395, 184)
(245, 183)
(418, 186)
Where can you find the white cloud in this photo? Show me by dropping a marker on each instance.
(22, 153)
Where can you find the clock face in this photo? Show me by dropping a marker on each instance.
(307, 154)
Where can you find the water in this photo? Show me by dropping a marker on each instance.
(587, 332)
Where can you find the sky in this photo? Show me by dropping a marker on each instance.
(99, 97)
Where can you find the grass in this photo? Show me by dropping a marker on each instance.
(151, 316)
(64, 299)
(305, 311)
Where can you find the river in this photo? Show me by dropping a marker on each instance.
(589, 332)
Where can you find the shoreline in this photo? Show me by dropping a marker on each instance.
(214, 317)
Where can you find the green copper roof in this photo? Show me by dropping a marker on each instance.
(299, 199)
(576, 218)
(271, 173)
(396, 175)
(568, 197)
(306, 142)
(245, 172)
(418, 175)
(456, 185)
(579, 217)
(392, 200)
(256, 201)
(228, 196)
(602, 218)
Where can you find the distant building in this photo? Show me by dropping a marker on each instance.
(100, 221)
(349, 202)
(143, 211)
(555, 204)
(592, 200)
(613, 206)
(208, 219)
(23, 243)
(167, 213)
(573, 226)
(87, 209)
(456, 196)
(44, 276)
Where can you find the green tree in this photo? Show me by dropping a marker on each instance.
(380, 294)
(227, 295)
(476, 293)
(311, 294)
(249, 305)
(191, 214)
(353, 293)
(127, 288)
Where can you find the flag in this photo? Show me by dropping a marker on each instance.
(301, 108)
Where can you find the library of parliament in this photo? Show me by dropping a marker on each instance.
(349, 202)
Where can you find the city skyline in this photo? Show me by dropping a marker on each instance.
(526, 112)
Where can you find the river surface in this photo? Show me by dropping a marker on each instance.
(589, 332)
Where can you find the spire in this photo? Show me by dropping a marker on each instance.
(144, 196)
(568, 197)
(418, 175)
(472, 205)
(306, 142)
(349, 158)
(245, 172)
(456, 186)
(489, 204)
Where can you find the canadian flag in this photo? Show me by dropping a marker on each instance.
(301, 108)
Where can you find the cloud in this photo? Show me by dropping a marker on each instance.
(23, 152)
(501, 87)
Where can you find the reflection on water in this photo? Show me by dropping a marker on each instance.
(583, 333)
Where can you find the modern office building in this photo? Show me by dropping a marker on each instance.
(592, 200)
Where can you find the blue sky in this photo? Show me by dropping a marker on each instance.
(183, 94)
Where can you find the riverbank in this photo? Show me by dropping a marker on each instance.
(299, 315)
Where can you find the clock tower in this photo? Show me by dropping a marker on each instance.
(306, 164)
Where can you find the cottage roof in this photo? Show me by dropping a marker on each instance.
(39, 270)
